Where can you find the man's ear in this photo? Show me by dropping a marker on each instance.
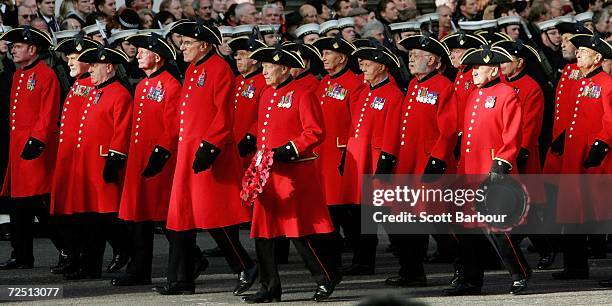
(495, 71)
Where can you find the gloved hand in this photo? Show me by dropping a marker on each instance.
(157, 161)
(32, 149)
(557, 146)
(285, 153)
(385, 164)
(499, 170)
(114, 163)
(434, 170)
(204, 157)
(598, 152)
(247, 145)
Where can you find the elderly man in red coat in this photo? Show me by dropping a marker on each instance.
(292, 203)
(34, 109)
(206, 187)
(419, 140)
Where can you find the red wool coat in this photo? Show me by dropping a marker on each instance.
(34, 109)
(567, 90)
(464, 85)
(337, 95)
(104, 126)
(247, 92)
(426, 125)
(154, 123)
(292, 203)
(375, 105)
(590, 119)
(211, 198)
(308, 81)
(63, 177)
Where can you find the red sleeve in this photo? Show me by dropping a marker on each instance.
(510, 129)
(447, 125)
(220, 131)
(46, 125)
(122, 119)
(168, 139)
(393, 117)
(605, 134)
(533, 111)
(311, 118)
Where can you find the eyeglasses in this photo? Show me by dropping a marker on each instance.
(188, 44)
(32, 16)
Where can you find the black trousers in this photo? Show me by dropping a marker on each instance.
(141, 251)
(181, 260)
(364, 245)
(116, 236)
(575, 252)
(317, 251)
(411, 249)
(22, 212)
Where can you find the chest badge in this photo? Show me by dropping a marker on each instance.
(575, 75)
(336, 92)
(286, 100)
(378, 103)
(490, 102)
(467, 85)
(424, 95)
(31, 82)
(591, 91)
(156, 93)
(97, 98)
(517, 90)
(248, 91)
(201, 79)
(81, 90)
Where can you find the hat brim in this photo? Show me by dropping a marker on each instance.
(600, 46)
(27, 35)
(424, 43)
(493, 37)
(526, 52)
(75, 45)
(337, 44)
(153, 43)
(490, 57)
(197, 31)
(245, 43)
(378, 55)
(304, 50)
(103, 55)
(463, 41)
(278, 56)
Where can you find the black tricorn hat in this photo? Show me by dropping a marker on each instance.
(492, 37)
(101, 54)
(486, 55)
(303, 50)
(576, 27)
(426, 43)
(519, 49)
(76, 44)
(463, 40)
(278, 55)
(27, 34)
(250, 42)
(593, 42)
(153, 42)
(378, 53)
(336, 43)
(199, 30)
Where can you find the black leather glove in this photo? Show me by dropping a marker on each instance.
(457, 150)
(157, 161)
(598, 152)
(32, 149)
(434, 169)
(342, 161)
(247, 145)
(285, 153)
(499, 169)
(557, 146)
(204, 157)
(114, 163)
(385, 164)
(521, 159)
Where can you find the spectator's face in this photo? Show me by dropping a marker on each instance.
(25, 15)
(272, 16)
(205, 11)
(469, 9)
(325, 14)
(445, 17)
(270, 39)
(22, 53)
(378, 35)
(3, 47)
(140, 4)
(484, 74)
(129, 49)
(455, 57)
(332, 33)
(345, 7)
(332, 60)
(597, 6)
(567, 48)
(176, 9)
(553, 37)
(47, 8)
(349, 34)
(109, 8)
(274, 74)
(602, 25)
(40, 24)
(146, 59)
(310, 38)
(372, 71)
(249, 17)
(83, 6)
(362, 3)
(147, 21)
(76, 68)
(587, 58)
(309, 14)
(188, 9)
(71, 24)
(360, 21)
(243, 62)
(400, 4)
(219, 6)
(513, 31)
(555, 8)
(390, 13)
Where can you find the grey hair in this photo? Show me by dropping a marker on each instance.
(196, 4)
(239, 10)
(268, 6)
(372, 26)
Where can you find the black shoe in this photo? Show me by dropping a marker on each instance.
(358, 270)
(606, 283)
(80, 274)
(246, 279)
(399, 281)
(261, 297)
(546, 261)
(119, 261)
(12, 264)
(130, 280)
(5, 232)
(457, 278)
(65, 269)
(214, 252)
(200, 266)
(518, 286)
(323, 292)
(567, 274)
(62, 259)
(176, 289)
(463, 289)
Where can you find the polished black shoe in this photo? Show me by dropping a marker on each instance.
(519, 286)
(214, 252)
(323, 292)
(399, 281)
(5, 232)
(130, 280)
(261, 297)
(80, 274)
(119, 261)
(176, 289)
(200, 266)
(463, 289)
(246, 279)
(457, 279)
(606, 283)
(546, 261)
(12, 264)
(358, 270)
(64, 269)
(567, 274)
